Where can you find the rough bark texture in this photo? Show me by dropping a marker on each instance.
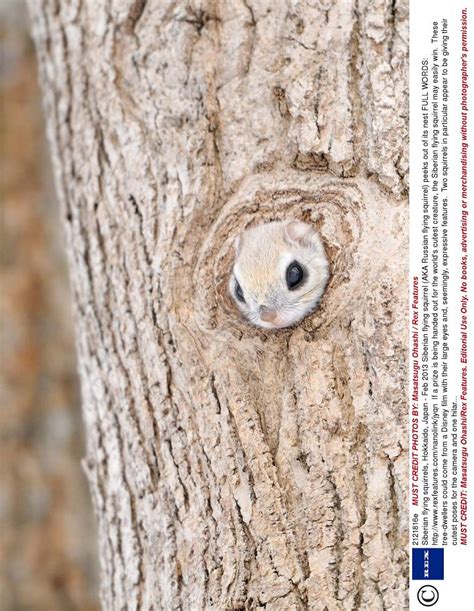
(47, 535)
(232, 467)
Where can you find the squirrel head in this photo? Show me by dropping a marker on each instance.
(279, 274)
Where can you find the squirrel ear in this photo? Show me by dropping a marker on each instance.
(237, 244)
(297, 232)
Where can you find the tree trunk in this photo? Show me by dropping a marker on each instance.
(232, 467)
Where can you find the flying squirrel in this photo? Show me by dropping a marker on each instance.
(279, 274)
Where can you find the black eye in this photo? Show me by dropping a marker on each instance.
(239, 292)
(294, 275)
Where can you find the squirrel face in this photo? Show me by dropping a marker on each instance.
(279, 274)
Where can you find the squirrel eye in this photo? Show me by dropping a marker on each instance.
(294, 275)
(239, 292)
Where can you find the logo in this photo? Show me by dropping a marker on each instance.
(428, 563)
(428, 596)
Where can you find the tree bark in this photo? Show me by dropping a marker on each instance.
(232, 467)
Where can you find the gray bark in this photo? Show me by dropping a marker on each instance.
(231, 467)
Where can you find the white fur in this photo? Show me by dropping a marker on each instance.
(262, 257)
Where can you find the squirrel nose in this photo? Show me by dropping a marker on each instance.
(268, 314)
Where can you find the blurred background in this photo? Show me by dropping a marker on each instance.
(47, 530)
